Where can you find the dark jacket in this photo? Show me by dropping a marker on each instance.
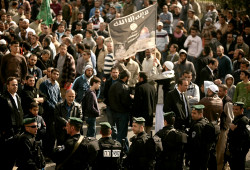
(144, 101)
(139, 156)
(12, 117)
(206, 75)
(26, 152)
(27, 95)
(173, 102)
(69, 71)
(119, 97)
(36, 72)
(61, 117)
(107, 86)
(202, 62)
(90, 105)
(197, 145)
(231, 48)
(83, 156)
(13, 66)
(37, 51)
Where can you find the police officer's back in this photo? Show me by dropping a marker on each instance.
(83, 156)
(29, 150)
(238, 138)
(141, 154)
(199, 142)
(110, 153)
(173, 144)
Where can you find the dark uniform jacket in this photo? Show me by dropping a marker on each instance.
(172, 143)
(239, 143)
(145, 102)
(83, 156)
(173, 102)
(197, 145)
(26, 152)
(139, 155)
(109, 156)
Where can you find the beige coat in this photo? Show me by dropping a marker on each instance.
(101, 57)
(134, 69)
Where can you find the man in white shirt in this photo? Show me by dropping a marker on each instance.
(194, 45)
(162, 40)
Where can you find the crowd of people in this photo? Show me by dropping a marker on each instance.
(195, 82)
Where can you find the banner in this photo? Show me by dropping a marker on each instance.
(134, 33)
(45, 13)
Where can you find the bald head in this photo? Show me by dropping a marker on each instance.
(70, 96)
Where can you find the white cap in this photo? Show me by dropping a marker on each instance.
(169, 65)
(26, 20)
(213, 88)
(2, 41)
(88, 67)
(159, 23)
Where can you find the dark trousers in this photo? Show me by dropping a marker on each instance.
(237, 160)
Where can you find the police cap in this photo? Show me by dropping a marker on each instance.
(105, 125)
(75, 120)
(139, 120)
(198, 107)
(169, 114)
(29, 120)
(241, 104)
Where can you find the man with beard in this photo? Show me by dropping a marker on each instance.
(226, 119)
(47, 76)
(193, 92)
(244, 65)
(150, 65)
(80, 20)
(33, 69)
(238, 57)
(225, 65)
(30, 94)
(113, 78)
(229, 46)
(183, 65)
(35, 47)
(242, 91)
(52, 92)
(144, 101)
(82, 83)
(120, 102)
(178, 37)
(212, 111)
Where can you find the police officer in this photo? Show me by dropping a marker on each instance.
(29, 150)
(110, 153)
(198, 151)
(173, 143)
(238, 138)
(77, 152)
(141, 154)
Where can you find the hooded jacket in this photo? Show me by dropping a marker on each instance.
(231, 89)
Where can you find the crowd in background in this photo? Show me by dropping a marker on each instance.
(64, 69)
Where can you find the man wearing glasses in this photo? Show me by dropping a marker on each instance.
(29, 156)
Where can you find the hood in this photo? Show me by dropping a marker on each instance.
(229, 76)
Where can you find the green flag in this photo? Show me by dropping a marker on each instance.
(45, 13)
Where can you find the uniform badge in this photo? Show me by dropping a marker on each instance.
(193, 134)
(61, 148)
